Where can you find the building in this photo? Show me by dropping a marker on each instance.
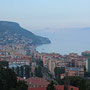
(58, 87)
(88, 65)
(20, 62)
(62, 76)
(75, 71)
(36, 82)
(51, 65)
(87, 55)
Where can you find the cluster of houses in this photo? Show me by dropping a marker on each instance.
(19, 55)
(73, 63)
(36, 83)
(15, 55)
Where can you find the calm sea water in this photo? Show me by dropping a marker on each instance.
(65, 41)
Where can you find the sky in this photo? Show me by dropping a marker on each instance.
(46, 13)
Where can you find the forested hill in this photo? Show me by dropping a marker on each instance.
(13, 33)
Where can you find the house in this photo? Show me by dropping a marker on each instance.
(37, 82)
(58, 87)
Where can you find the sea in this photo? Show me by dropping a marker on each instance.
(65, 41)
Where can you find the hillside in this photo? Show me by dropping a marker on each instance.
(13, 33)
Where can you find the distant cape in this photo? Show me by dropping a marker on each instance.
(13, 33)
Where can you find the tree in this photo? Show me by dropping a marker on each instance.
(4, 64)
(87, 74)
(21, 85)
(51, 86)
(39, 62)
(79, 82)
(21, 71)
(60, 81)
(38, 72)
(17, 71)
(88, 85)
(8, 79)
(58, 71)
(27, 71)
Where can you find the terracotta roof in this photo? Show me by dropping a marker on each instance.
(19, 78)
(39, 88)
(58, 87)
(37, 81)
(44, 88)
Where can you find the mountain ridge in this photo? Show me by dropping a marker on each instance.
(12, 32)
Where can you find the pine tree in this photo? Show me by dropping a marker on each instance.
(51, 86)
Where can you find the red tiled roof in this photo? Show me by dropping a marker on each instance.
(39, 88)
(44, 88)
(37, 81)
(58, 87)
(19, 78)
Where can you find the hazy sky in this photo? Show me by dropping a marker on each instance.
(46, 13)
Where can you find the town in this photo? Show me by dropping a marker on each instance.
(39, 69)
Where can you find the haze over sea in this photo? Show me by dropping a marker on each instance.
(65, 41)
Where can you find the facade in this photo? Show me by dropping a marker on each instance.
(75, 71)
(58, 87)
(88, 65)
(73, 60)
(51, 65)
(20, 62)
(36, 82)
